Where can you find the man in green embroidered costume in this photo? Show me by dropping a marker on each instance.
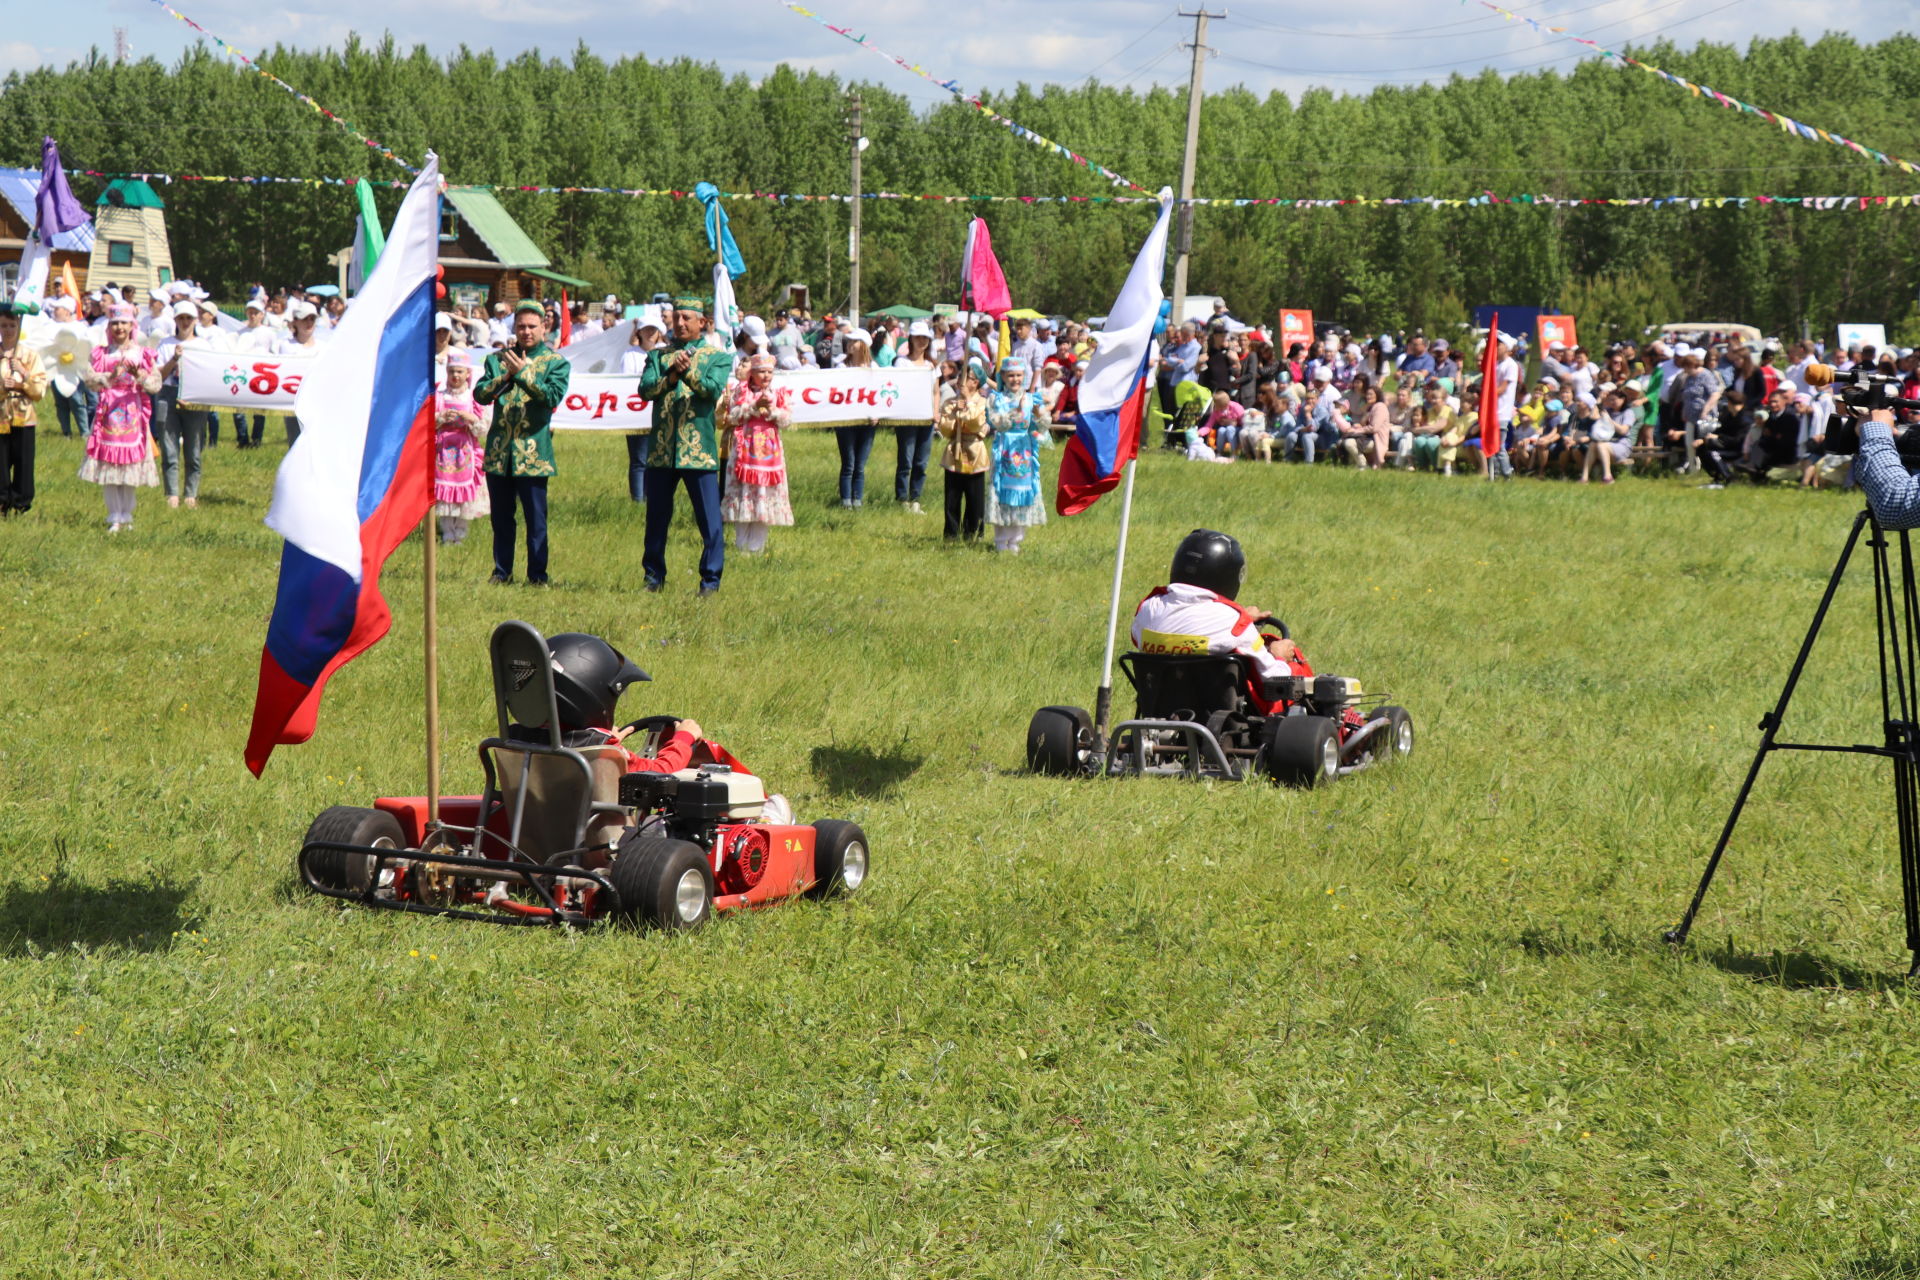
(524, 383)
(686, 381)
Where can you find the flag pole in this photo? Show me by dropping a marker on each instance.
(1103, 700)
(430, 571)
(432, 633)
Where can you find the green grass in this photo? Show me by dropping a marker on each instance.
(1417, 1024)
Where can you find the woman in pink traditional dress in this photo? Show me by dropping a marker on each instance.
(459, 490)
(119, 453)
(756, 493)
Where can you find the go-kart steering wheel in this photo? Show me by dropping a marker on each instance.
(1284, 633)
(657, 728)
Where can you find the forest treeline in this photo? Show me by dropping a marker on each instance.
(631, 122)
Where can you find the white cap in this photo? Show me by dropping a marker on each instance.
(919, 329)
(860, 335)
(301, 309)
(1681, 349)
(184, 308)
(256, 303)
(442, 323)
(610, 300)
(1787, 385)
(754, 327)
(1556, 345)
(1322, 374)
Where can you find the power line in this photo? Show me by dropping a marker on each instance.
(1456, 64)
(1130, 44)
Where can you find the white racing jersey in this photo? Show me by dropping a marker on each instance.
(1180, 618)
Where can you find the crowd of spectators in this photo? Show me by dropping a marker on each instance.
(1727, 410)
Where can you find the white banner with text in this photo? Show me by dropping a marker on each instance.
(595, 401)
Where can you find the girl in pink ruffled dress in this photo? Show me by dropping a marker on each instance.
(459, 489)
(119, 452)
(755, 500)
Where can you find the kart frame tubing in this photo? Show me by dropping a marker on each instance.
(533, 874)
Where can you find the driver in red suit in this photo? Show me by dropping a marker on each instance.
(589, 675)
(1196, 612)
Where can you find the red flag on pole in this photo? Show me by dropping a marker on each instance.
(566, 319)
(1490, 424)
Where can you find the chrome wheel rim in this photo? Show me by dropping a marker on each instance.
(1330, 756)
(1403, 737)
(853, 866)
(690, 895)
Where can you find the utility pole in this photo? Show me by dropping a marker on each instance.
(859, 144)
(1183, 242)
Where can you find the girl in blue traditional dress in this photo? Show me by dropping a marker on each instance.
(1019, 420)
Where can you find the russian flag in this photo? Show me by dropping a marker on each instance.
(1114, 389)
(357, 481)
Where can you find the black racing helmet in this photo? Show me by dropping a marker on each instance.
(589, 675)
(1210, 559)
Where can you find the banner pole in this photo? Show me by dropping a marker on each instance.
(1103, 701)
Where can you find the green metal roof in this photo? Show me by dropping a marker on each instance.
(496, 228)
(545, 274)
(134, 194)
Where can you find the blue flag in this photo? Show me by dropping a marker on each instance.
(719, 234)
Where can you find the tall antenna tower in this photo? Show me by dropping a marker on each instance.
(120, 47)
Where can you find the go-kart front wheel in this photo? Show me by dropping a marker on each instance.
(664, 883)
(1055, 738)
(1397, 735)
(1301, 751)
(344, 824)
(840, 858)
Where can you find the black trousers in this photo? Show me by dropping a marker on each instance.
(966, 504)
(16, 469)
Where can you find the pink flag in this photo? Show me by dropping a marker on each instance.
(986, 284)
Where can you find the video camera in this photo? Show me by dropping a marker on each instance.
(1857, 393)
(1860, 391)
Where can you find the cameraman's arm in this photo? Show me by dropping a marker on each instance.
(1891, 492)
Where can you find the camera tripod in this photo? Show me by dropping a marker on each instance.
(1896, 611)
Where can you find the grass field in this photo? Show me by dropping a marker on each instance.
(1418, 1024)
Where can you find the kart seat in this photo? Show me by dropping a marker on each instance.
(1181, 686)
(558, 796)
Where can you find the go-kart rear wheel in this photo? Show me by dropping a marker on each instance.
(1055, 738)
(840, 858)
(1301, 751)
(664, 883)
(344, 824)
(1398, 735)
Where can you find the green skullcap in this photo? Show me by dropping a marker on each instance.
(530, 304)
(691, 302)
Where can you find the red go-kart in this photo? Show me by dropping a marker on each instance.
(563, 835)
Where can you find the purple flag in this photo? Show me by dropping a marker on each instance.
(55, 206)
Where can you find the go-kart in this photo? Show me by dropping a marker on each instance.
(562, 834)
(1213, 715)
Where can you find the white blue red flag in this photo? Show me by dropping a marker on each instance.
(1114, 389)
(357, 481)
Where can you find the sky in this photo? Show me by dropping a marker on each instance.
(1264, 45)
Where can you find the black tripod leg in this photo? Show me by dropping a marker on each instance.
(1903, 730)
(1770, 726)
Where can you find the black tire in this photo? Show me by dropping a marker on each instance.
(344, 824)
(1055, 737)
(1301, 751)
(665, 883)
(1399, 735)
(841, 858)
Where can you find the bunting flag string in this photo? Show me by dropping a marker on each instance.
(1785, 123)
(953, 87)
(1486, 199)
(378, 147)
